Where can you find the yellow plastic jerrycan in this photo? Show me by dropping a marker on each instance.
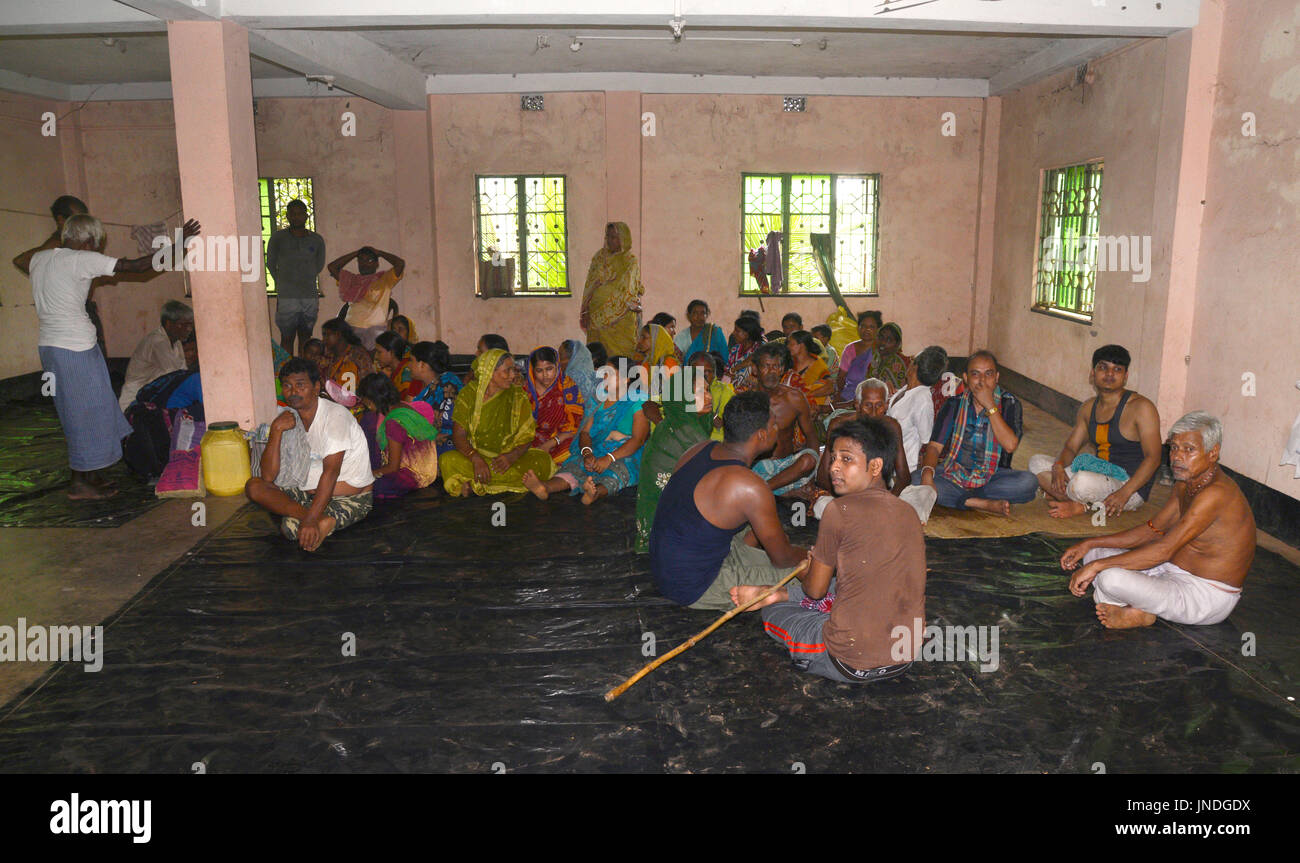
(225, 457)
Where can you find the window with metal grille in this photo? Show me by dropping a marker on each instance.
(523, 238)
(275, 193)
(1066, 273)
(844, 206)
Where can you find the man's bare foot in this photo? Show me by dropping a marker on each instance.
(82, 490)
(746, 592)
(806, 492)
(90, 485)
(535, 485)
(996, 507)
(98, 480)
(592, 491)
(1065, 508)
(326, 525)
(1123, 616)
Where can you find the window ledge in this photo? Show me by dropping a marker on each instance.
(529, 295)
(787, 294)
(1060, 315)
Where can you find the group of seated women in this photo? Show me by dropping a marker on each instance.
(548, 426)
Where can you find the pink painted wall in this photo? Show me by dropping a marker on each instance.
(131, 175)
(928, 202)
(1246, 292)
(488, 134)
(24, 153)
(1222, 207)
(1056, 122)
(132, 178)
(690, 200)
(353, 177)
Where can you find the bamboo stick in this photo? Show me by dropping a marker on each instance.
(699, 636)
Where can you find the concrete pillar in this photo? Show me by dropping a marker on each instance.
(416, 293)
(623, 162)
(1182, 176)
(982, 277)
(212, 96)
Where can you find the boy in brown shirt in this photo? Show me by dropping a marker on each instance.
(872, 542)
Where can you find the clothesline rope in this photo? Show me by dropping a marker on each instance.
(46, 215)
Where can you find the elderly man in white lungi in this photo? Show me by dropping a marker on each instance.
(83, 396)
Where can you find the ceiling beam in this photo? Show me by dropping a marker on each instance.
(648, 82)
(30, 85)
(263, 88)
(1131, 18)
(1060, 55)
(178, 10)
(356, 64)
(167, 11)
(70, 17)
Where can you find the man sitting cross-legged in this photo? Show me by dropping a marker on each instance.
(1124, 427)
(913, 407)
(844, 628)
(968, 459)
(337, 489)
(1188, 563)
(873, 397)
(786, 469)
(699, 545)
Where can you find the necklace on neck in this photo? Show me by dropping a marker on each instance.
(1196, 486)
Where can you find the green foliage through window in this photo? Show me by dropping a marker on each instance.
(274, 194)
(1066, 272)
(846, 206)
(522, 213)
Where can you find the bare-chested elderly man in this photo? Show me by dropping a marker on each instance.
(1188, 563)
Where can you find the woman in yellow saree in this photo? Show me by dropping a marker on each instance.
(492, 432)
(611, 301)
(655, 347)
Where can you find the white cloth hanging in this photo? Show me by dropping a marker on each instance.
(1291, 455)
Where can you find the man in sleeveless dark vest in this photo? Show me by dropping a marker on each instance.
(1124, 429)
(716, 525)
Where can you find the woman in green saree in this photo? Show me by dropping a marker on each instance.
(492, 432)
(687, 420)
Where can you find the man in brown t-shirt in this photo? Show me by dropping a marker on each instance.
(843, 627)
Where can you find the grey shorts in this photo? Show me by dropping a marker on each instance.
(296, 315)
(799, 630)
(744, 564)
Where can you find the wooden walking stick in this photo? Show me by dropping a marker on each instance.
(699, 636)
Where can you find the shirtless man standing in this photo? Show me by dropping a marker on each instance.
(786, 469)
(716, 525)
(1124, 429)
(1188, 563)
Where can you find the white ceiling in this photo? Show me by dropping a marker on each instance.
(394, 51)
(501, 50)
(129, 59)
(134, 58)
